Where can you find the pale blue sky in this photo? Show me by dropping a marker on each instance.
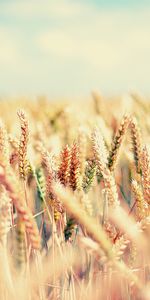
(68, 48)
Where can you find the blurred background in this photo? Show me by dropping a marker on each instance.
(68, 48)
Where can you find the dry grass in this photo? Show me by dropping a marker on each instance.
(74, 199)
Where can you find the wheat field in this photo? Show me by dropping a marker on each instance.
(74, 199)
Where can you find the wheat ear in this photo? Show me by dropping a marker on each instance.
(145, 168)
(23, 143)
(23, 211)
(117, 142)
(100, 154)
(137, 143)
(64, 168)
(141, 205)
(74, 179)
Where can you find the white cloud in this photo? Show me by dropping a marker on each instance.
(9, 50)
(109, 39)
(102, 48)
(38, 8)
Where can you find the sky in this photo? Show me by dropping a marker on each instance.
(69, 48)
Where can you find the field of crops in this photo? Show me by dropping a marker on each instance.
(74, 199)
